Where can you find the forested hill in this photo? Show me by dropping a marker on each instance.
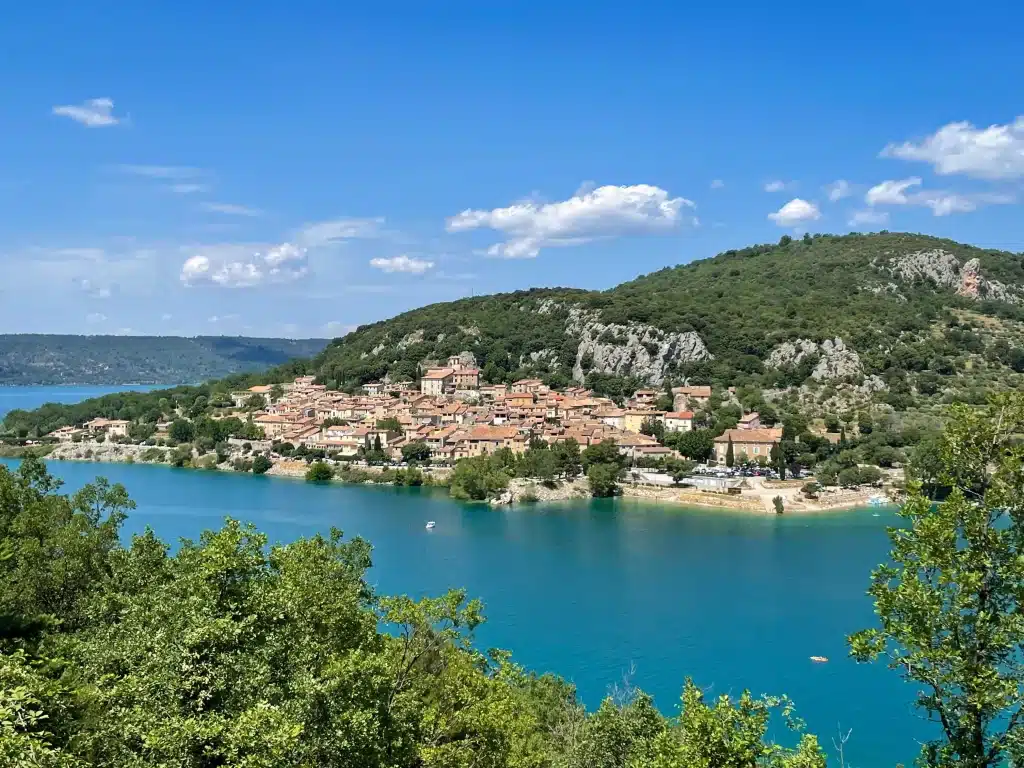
(49, 359)
(893, 310)
(823, 324)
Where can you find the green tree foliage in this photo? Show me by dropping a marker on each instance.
(695, 444)
(260, 464)
(568, 461)
(730, 456)
(181, 431)
(603, 479)
(949, 600)
(653, 428)
(852, 476)
(390, 424)
(478, 478)
(417, 451)
(256, 402)
(229, 651)
(319, 472)
(604, 452)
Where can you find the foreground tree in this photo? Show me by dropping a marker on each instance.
(232, 652)
(949, 604)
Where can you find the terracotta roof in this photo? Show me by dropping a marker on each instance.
(750, 436)
(438, 373)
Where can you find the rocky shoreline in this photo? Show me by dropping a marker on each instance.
(757, 499)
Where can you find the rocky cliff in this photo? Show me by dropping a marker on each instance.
(635, 349)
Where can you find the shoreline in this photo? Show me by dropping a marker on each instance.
(525, 492)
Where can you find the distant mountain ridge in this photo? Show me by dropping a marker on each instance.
(43, 359)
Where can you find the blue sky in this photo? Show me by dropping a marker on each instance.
(298, 169)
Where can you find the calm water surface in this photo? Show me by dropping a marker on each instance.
(28, 398)
(592, 589)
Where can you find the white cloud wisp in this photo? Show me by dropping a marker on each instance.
(94, 113)
(230, 209)
(993, 153)
(402, 263)
(237, 266)
(838, 189)
(608, 211)
(891, 192)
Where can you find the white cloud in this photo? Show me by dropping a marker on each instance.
(717, 184)
(839, 189)
(230, 209)
(188, 189)
(337, 230)
(221, 318)
(94, 291)
(94, 113)
(237, 266)
(166, 316)
(941, 203)
(607, 211)
(857, 218)
(776, 186)
(996, 152)
(165, 172)
(402, 263)
(234, 265)
(95, 317)
(796, 211)
(891, 192)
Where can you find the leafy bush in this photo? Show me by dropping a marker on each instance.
(260, 464)
(319, 472)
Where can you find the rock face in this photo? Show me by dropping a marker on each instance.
(837, 361)
(635, 349)
(409, 339)
(945, 271)
(790, 353)
(467, 359)
(834, 359)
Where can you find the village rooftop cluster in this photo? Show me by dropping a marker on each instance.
(457, 418)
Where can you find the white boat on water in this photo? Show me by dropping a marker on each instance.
(430, 525)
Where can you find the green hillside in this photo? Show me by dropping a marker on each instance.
(910, 307)
(49, 359)
(826, 324)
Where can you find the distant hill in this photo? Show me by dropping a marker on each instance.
(893, 313)
(826, 324)
(27, 359)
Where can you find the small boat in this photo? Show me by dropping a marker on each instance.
(430, 525)
(819, 659)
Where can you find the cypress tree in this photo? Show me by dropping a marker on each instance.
(730, 459)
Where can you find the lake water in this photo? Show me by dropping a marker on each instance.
(590, 590)
(28, 398)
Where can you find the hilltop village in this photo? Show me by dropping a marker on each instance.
(658, 439)
(456, 418)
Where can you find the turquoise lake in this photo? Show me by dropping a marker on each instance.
(28, 398)
(591, 590)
